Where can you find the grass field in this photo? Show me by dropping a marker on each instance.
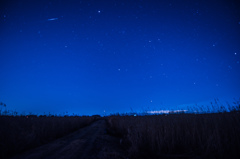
(212, 135)
(200, 134)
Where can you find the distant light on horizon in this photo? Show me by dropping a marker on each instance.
(165, 111)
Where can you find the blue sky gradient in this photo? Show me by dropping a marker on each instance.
(88, 56)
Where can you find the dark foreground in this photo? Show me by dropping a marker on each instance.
(191, 136)
(91, 142)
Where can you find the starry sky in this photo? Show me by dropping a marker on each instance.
(106, 56)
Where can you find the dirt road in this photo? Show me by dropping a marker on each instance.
(86, 143)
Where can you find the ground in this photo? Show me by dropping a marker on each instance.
(86, 143)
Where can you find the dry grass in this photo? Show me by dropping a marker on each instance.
(19, 133)
(213, 135)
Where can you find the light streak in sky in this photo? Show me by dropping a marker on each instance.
(52, 19)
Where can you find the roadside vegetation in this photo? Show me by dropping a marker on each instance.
(205, 132)
(184, 135)
(20, 133)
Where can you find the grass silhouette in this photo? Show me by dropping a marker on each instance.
(210, 132)
(192, 135)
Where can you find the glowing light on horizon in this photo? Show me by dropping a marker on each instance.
(165, 111)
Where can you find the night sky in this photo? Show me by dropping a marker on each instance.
(91, 56)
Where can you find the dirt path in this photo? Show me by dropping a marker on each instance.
(86, 143)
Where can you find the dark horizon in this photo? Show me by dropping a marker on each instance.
(87, 57)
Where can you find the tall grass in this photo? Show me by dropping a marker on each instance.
(215, 135)
(19, 133)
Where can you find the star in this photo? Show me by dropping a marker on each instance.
(99, 11)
